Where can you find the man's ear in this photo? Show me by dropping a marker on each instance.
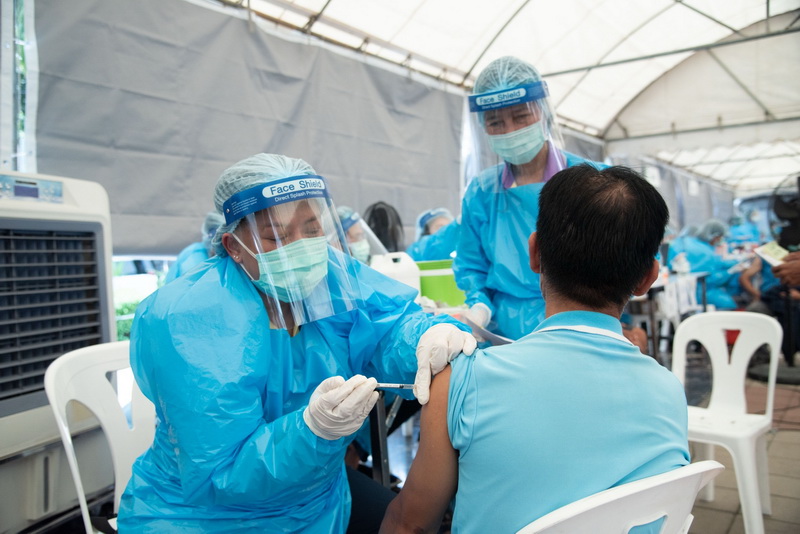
(533, 250)
(232, 246)
(648, 280)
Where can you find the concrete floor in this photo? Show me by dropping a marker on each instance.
(724, 514)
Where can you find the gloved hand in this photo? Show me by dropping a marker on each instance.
(436, 348)
(338, 408)
(479, 313)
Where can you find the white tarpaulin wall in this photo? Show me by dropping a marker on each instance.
(154, 99)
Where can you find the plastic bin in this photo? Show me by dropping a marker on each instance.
(436, 281)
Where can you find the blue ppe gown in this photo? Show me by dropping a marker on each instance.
(231, 451)
(438, 246)
(558, 416)
(744, 233)
(189, 257)
(492, 263)
(703, 258)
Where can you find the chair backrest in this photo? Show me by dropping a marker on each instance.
(670, 495)
(729, 368)
(83, 375)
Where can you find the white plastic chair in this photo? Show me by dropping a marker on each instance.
(82, 375)
(617, 510)
(726, 422)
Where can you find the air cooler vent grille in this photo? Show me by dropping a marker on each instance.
(50, 302)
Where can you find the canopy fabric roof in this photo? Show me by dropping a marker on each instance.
(709, 85)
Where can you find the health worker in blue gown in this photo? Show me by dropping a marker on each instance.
(196, 253)
(262, 364)
(436, 236)
(700, 252)
(744, 231)
(361, 240)
(510, 106)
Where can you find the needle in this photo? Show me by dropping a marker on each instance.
(394, 386)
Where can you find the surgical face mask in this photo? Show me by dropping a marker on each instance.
(291, 272)
(360, 250)
(519, 146)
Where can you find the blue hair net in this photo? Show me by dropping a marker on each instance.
(427, 216)
(711, 229)
(212, 221)
(252, 171)
(347, 216)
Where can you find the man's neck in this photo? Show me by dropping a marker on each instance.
(556, 304)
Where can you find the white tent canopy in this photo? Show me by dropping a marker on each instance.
(712, 86)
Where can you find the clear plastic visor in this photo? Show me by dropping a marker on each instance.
(295, 253)
(362, 242)
(516, 141)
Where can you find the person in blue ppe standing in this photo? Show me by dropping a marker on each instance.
(572, 401)
(510, 105)
(678, 245)
(263, 362)
(436, 236)
(196, 253)
(700, 252)
(361, 241)
(744, 231)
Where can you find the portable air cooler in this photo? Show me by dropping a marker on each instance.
(55, 296)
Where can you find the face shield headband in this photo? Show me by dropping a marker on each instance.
(508, 97)
(265, 196)
(350, 221)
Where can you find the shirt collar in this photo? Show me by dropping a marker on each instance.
(588, 318)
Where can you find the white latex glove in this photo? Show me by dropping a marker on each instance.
(338, 408)
(436, 348)
(479, 313)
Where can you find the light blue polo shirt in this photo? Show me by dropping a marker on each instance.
(555, 417)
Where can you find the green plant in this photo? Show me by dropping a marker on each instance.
(124, 315)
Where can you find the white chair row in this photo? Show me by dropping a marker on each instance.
(83, 376)
(725, 422)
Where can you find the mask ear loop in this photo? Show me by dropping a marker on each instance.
(249, 252)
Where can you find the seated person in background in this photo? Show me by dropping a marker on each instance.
(635, 334)
(385, 222)
(437, 236)
(197, 253)
(702, 257)
(363, 244)
(744, 231)
(573, 408)
(770, 297)
(789, 271)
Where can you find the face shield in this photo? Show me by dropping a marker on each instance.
(291, 245)
(362, 242)
(515, 131)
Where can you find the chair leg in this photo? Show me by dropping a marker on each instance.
(705, 451)
(686, 525)
(747, 481)
(763, 474)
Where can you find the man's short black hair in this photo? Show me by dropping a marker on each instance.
(598, 232)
